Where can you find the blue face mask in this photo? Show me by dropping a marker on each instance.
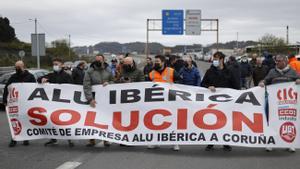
(216, 63)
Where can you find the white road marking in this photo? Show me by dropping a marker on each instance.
(69, 165)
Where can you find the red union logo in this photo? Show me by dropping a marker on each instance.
(13, 110)
(16, 125)
(13, 95)
(287, 96)
(288, 132)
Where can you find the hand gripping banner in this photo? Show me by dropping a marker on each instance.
(156, 114)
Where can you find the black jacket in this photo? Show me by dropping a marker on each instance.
(246, 70)
(57, 77)
(220, 78)
(259, 73)
(235, 68)
(25, 77)
(147, 69)
(78, 75)
(269, 62)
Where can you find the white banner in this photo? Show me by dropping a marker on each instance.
(155, 113)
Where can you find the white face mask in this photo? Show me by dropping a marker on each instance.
(216, 63)
(56, 68)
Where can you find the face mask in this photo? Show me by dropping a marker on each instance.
(98, 64)
(157, 67)
(186, 64)
(19, 71)
(216, 63)
(128, 68)
(244, 60)
(56, 68)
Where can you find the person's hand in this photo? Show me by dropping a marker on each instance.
(44, 80)
(261, 84)
(105, 84)
(93, 103)
(298, 82)
(212, 88)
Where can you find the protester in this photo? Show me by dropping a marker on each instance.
(260, 71)
(281, 73)
(234, 66)
(113, 66)
(179, 64)
(119, 67)
(189, 74)
(268, 61)
(148, 68)
(58, 76)
(21, 76)
(294, 63)
(130, 73)
(68, 69)
(218, 75)
(78, 73)
(162, 73)
(98, 73)
(253, 60)
(246, 72)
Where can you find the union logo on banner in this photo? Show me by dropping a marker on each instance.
(287, 96)
(288, 132)
(16, 126)
(13, 95)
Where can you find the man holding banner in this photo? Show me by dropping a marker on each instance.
(20, 76)
(58, 76)
(280, 74)
(162, 73)
(218, 75)
(99, 73)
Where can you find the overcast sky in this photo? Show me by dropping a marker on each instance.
(93, 21)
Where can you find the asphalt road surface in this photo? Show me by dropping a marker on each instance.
(36, 156)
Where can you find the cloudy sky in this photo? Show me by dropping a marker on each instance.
(92, 21)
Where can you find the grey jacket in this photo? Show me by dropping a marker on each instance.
(274, 76)
(95, 76)
(134, 76)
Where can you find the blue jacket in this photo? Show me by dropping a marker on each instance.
(190, 76)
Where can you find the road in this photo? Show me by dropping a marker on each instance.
(36, 156)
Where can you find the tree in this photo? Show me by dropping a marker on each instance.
(60, 48)
(7, 32)
(273, 44)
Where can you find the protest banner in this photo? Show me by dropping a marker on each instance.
(156, 114)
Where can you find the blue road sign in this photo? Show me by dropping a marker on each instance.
(172, 22)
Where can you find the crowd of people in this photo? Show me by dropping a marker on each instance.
(261, 70)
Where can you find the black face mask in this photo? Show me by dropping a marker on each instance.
(186, 64)
(19, 71)
(98, 64)
(128, 68)
(157, 67)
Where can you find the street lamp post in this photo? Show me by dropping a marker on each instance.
(37, 43)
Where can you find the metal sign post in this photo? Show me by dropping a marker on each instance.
(211, 29)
